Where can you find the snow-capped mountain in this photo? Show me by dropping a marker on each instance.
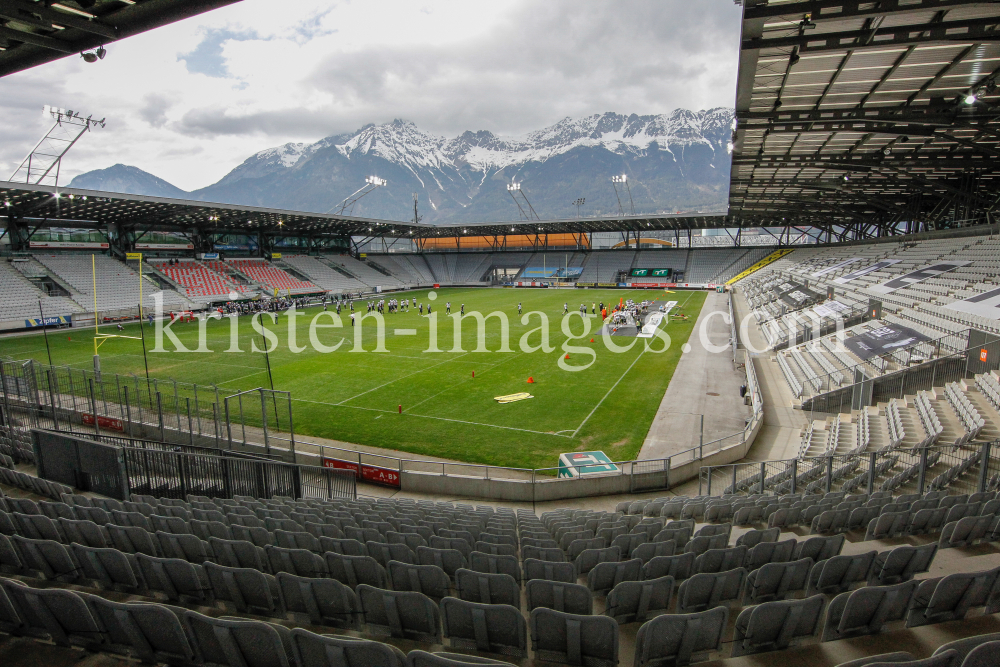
(675, 161)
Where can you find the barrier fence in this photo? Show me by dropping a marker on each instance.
(965, 468)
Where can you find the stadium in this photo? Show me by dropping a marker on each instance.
(235, 435)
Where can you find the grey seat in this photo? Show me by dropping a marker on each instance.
(675, 640)
(552, 554)
(775, 581)
(638, 601)
(680, 536)
(576, 547)
(783, 517)
(345, 546)
(559, 595)
(541, 569)
(866, 610)
(238, 553)
(300, 562)
(151, 632)
(459, 544)
(238, 643)
(355, 570)
(430, 580)
(111, 568)
(951, 597)
(483, 562)
(720, 560)
(178, 579)
(707, 590)
(679, 567)
(323, 529)
(588, 559)
(123, 518)
(383, 552)
(888, 525)
(401, 614)
(860, 517)
(979, 651)
(83, 532)
(54, 560)
(574, 639)
(417, 658)
(487, 588)
(627, 543)
(257, 535)
(170, 524)
(297, 539)
(769, 552)
(819, 548)
(831, 521)
(773, 626)
(926, 520)
(312, 650)
(324, 601)
(837, 575)
(250, 591)
(185, 546)
(133, 540)
(649, 550)
(702, 543)
(753, 537)
(494, 628)
(901, 564)
(59, 613)
(606, 576)
(38, 527)
(965, 532)
(449, 560)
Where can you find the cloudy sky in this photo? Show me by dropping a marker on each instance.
(190, 101)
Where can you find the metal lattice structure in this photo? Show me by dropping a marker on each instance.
(866, 119)
(44, 162)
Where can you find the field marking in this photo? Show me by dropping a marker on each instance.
(445, 419)
(462, 382)
(609, 392)
(385, 384)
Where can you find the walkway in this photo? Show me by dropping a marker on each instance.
(704, 383)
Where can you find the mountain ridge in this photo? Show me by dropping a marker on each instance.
(673, 161)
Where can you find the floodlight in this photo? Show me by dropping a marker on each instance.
(513, 186)
(89, 57)
(971, 98)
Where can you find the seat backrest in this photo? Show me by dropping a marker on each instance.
(403, 614)
(774, 581)
(540, 569)
(679, 567)
(677, 638)
(606, 576)
(866, 610)
(561, 596)
(707, 590)
(175, 577)
(819, 548)
(494, 564)
(494, 628)
(324, 601)
(250, 591)
(110, 567)
(638, 601)
(720, 560)
(313, 650)
(753, 537)
(430, 580)
(838, 574)
(238, 642)
(574, 639)
(449, 560)
(773, 626)
(487, 588)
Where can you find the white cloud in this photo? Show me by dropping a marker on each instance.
(189, 101)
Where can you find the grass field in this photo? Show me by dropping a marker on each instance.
(353, 397)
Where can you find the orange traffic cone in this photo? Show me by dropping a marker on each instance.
(69, 338)
(531, 380)
(591, 340)
(473, 373)
(567, 355)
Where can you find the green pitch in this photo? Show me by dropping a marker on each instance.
(354, 397)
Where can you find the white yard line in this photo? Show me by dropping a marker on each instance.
(446, 419)
(462, 382)
(608, 394)
(403, 377)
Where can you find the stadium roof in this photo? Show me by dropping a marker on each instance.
(33, 32)
(40, 206)
(867, 118)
